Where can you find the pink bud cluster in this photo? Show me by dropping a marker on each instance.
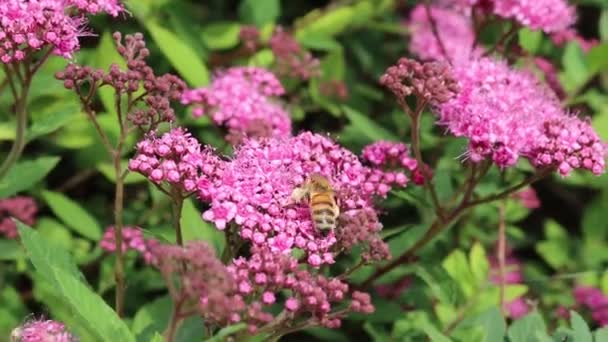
(429, 82)
(563, 37)
(241, 99)
(454, 29)
(246, 289)
(250, 37)
(176, 158)
(389, 158)
(291, 60)
(28, 26)
(22, 208)
(595, 301)
(518, 307)
(547, 15)
(256, 187)
(334, 88)
(132, 239)
(150, 95)
(361, 227)
(42, 331)
(507, 114)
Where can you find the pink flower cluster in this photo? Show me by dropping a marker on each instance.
(241, 99)
(455, 32)
(290, 58)
(547, 15)
(507, 114)
(255, 187)
(513, 275)
(245, 290)
(176, 158)
(528, 198)
(42, 331)
(595, 301)
(27, 26)
(21, 208)
(389, 158)
(132, 239)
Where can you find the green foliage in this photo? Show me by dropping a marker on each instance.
(26, 174)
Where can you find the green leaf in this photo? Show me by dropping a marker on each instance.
(221, 35)
(259, 12)
(479, 263)
(580, 327)
(574, 66)
(596, 58)
(157, 338)
(227, 331)
(154, 316)
(530, 40)
(492, 322)
(56, 266)
(52, 118)
(73, 215)
(603, 25)
(366, 126)
(526, 328)
(10, 250)
(26, 174)
(195, 228)
(457, 266)
(601, 335)
(434, 334)
(320, 42)
(181, 56)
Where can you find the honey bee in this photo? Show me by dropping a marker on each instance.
(322, 201)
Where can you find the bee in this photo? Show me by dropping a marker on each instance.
(321, 199)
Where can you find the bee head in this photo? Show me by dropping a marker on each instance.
(320, 182)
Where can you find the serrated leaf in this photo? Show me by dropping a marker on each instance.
(580, 327)
(457, 266)
(526, 328)
(26, 174)
(574, 66)
(530, 40)
(479, 263)
(52, 119)
(57, 267)
(73, 215)
(182, 57)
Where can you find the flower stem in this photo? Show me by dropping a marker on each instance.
(21, 112)
(176, 318)
(501, 252)
(119, 272)
(177, 203)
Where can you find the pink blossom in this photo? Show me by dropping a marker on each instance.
(176, 158)
(27, 26)
(132, 239)
(43, 331)
(255, 187)
(508, 114)
(21, 208)
(290, 58)
(594, 300)
(528, 198)
(241, 99)
(454, 29)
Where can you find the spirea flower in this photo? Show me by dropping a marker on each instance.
(518, 307)
(528, 198)
(22, 208)
(176, 158)
(241, 99)
(28, 26)
(547, 15)
(150, 95)
(290, 58)
(255, 190)
(595, 301)
(132, 239)
(429, 82)
(250, 37)
(42, 331)
(455, 32)
(507, 114)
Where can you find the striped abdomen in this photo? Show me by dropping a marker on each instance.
(324, 210)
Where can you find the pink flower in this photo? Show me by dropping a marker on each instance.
(454, 29)
(528, 198)
(21, 208)
(177, 159)
(290, 58)
(507, 114)
(42, 331)
(255, 187)
(28, 26)
(594, 300)
(241, 99)
(132, 239)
